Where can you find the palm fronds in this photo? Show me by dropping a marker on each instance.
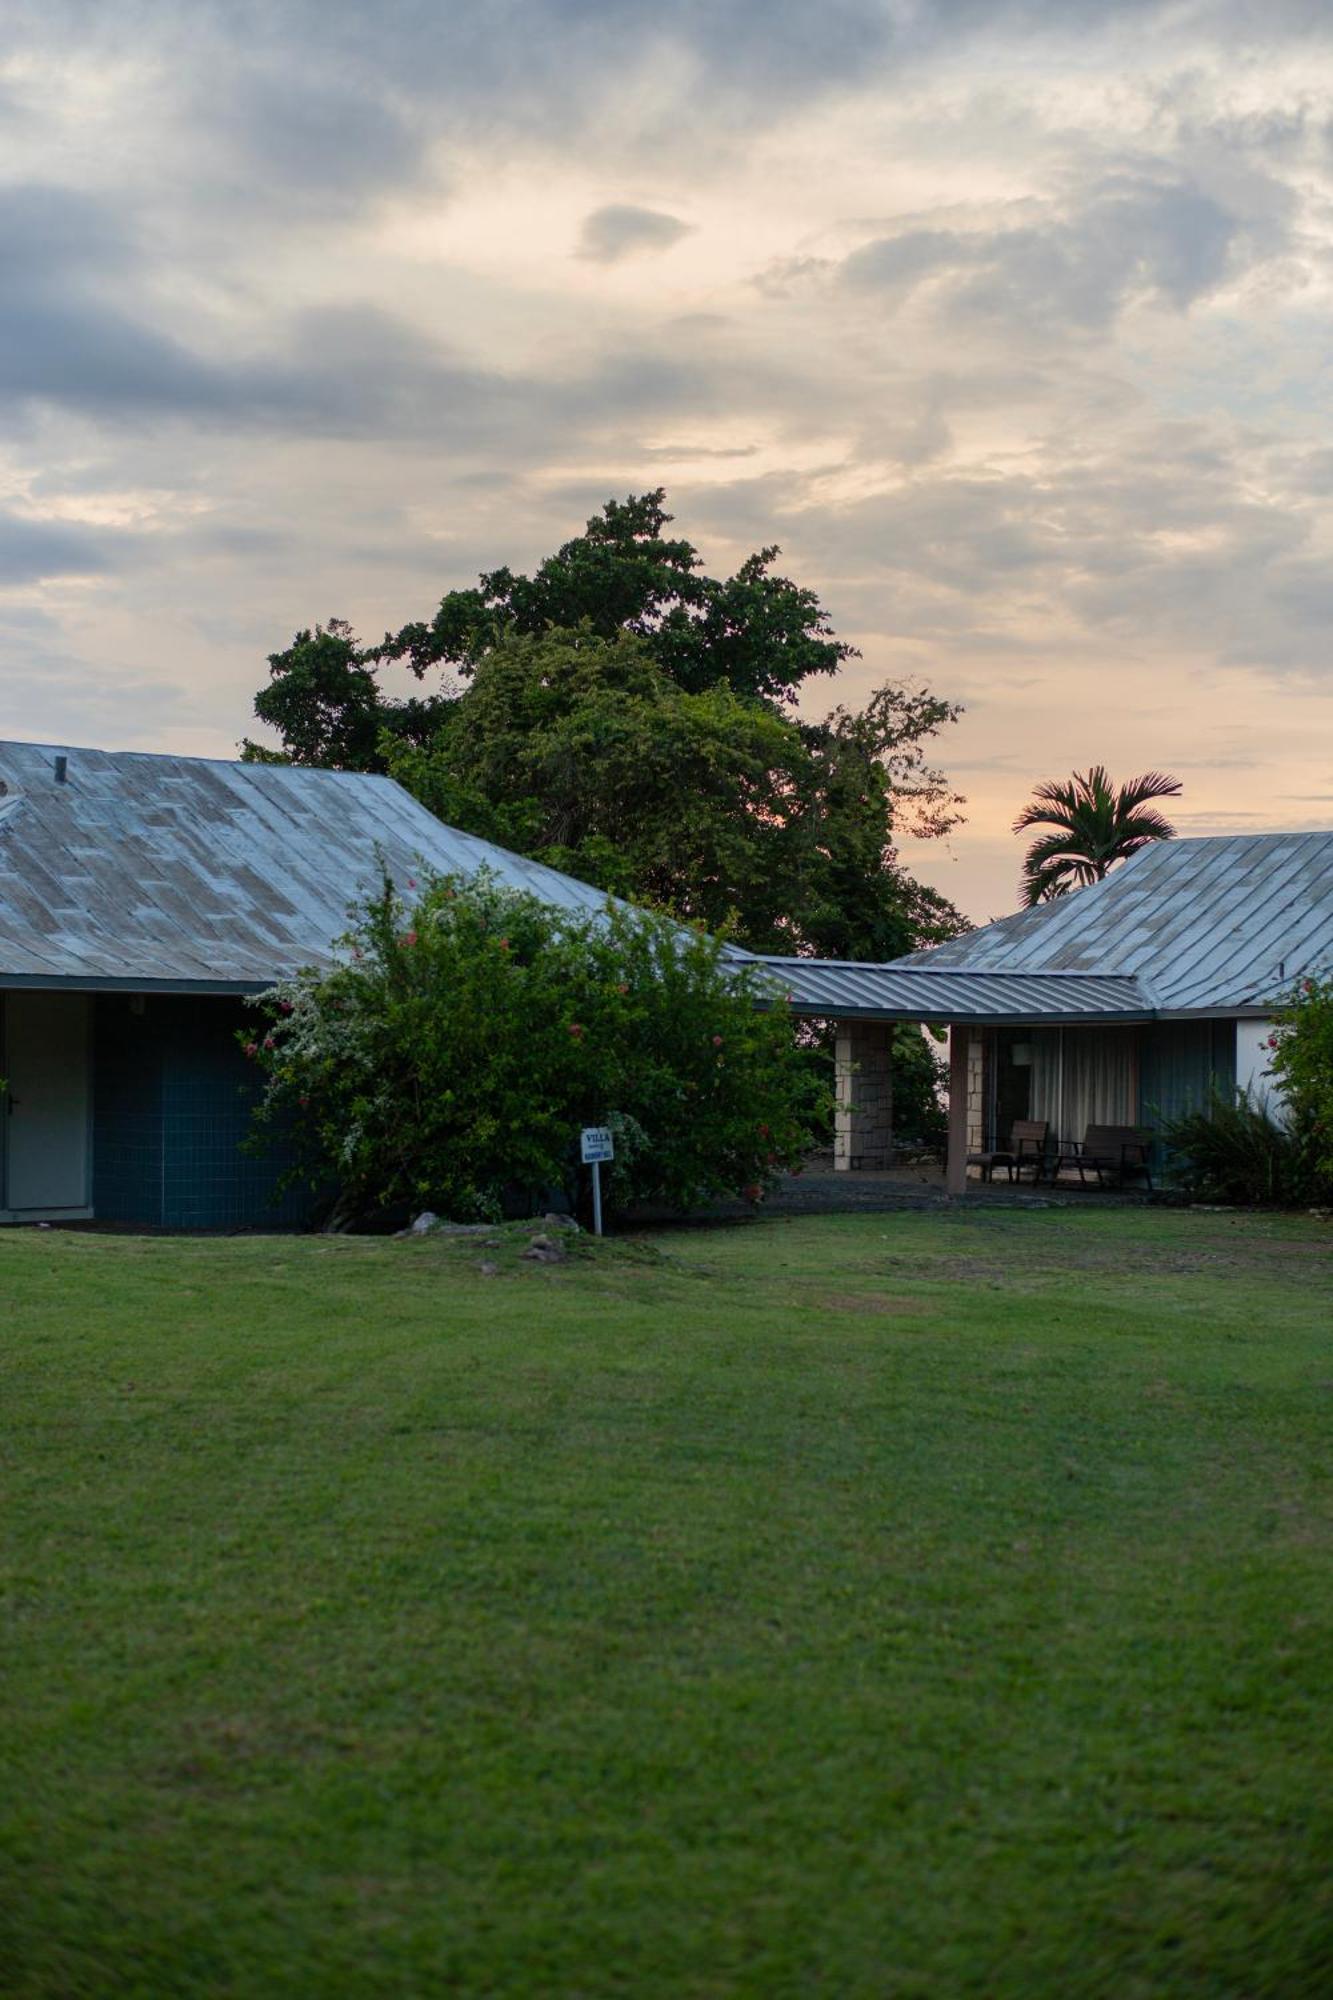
(1096, 822)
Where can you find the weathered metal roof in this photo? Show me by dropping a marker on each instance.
(192, 874)
(1215, 925)
(180, 872)
(825, 987)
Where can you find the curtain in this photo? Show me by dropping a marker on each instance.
(1084, 1076)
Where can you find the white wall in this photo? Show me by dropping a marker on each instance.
(1252, 1071)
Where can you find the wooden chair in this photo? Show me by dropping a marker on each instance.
(1026, 1148)
(1117, 1150)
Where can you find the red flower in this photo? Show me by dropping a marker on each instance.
(504, 944)
(287, 1007)
(409, 937)
(576, 1030)
(622, 988)
(304, 1101)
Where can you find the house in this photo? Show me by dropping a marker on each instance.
(1124, 1003)
(141, 897)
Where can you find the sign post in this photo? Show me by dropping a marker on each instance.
(596, 1145)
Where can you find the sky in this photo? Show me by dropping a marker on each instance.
(1007, 319)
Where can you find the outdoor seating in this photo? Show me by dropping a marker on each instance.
(1026, 1148)
(1113, 1152)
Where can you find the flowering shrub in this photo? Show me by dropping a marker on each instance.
(459, 1046)
(1302, 1060)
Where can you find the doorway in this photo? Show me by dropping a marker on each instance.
(46, 1150)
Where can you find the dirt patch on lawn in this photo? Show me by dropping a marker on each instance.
(866, 1302)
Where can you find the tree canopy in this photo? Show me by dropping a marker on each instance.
(624, 717)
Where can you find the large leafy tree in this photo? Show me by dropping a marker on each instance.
(623, 716)
(1093, 824)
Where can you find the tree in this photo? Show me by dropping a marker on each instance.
(580, 751)
(1096, 824)
(761, 634)
(625, 717)
(450, 1059)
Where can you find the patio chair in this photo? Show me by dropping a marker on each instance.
(1118, 1151)
(1026, 1148)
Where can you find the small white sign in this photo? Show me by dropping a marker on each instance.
(597, 1144)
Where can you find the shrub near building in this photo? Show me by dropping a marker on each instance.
(1303, 1062)
(465, 1038)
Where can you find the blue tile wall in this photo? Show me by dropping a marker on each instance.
(172, 1100)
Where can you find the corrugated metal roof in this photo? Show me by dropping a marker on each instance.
(1203, 925)
(824, 987)
(184, 872)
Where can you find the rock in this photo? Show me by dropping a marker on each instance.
(544, 1250)
(424, 1223)
(488, 1269)
(554, 1221)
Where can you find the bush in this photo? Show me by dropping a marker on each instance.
(1233, 1150)
(460, 1044)
(1302, 1046)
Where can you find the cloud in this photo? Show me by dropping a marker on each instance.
(38, 551)
(1133, 237)
(618, 231)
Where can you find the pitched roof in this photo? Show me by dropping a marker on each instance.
(1218, 925)
(193, 874)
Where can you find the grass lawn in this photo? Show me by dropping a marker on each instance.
(867, 1605)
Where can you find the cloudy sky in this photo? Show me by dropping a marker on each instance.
(1008, 319)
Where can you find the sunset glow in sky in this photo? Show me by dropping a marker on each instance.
(1009, 322)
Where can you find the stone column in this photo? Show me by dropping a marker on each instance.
(976, 1090)
(863, 1130)
(960, 1051)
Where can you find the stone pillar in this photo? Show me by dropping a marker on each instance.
(863, 1130)
(960, 1064)
(976, 1090)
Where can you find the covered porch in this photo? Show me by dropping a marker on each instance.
(1070, 1051)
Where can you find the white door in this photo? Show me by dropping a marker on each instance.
(46, 1077)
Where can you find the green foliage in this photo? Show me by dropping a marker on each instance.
(761, 634)
(325, 703)
(1302, 1060)
(1234, 1150)
(626, 718)
(463, 1041)
(1096, 824)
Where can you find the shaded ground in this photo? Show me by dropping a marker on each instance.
(818, 1190)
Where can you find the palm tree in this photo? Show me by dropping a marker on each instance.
(1097, 824)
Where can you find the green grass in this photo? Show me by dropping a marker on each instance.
(904, 1605)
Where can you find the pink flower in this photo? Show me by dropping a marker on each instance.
(717, 1041)
(269, 1042)
(576, 1030)
(409, 937)
(411, 882)
(287, 1007)
(252, 1048)
(504, 944)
